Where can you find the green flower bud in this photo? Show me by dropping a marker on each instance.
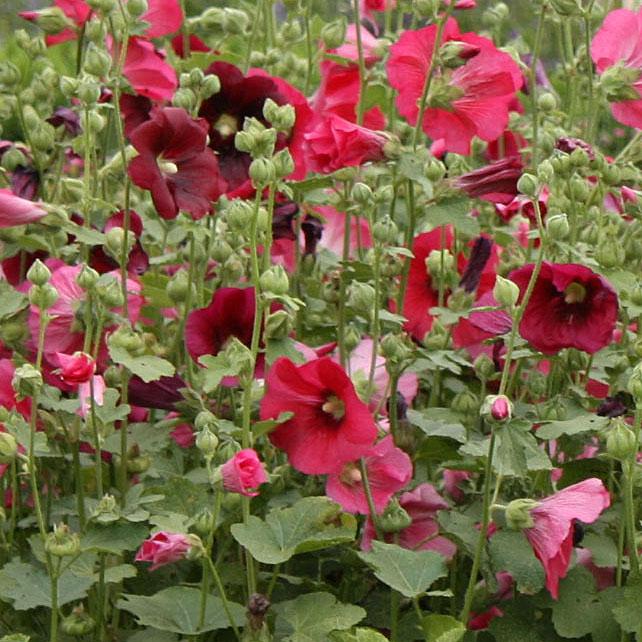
(635, 386)
(62, 542)
(278, 325)
(395, 348)
(52, 20)
(87, 278)
(281, 117)
(204, 522)
(275, 281)
(9, 75)
(43, 136)
(220, 250)
(43, 296)
(233, 269)
(567, 7)
(361, 194)
(139, 464)
(546, 102)
(68, 86)
(95, 30)
(466, 403)
(545, 171)
(394, 518)
(205, 419)
(434, 170)
(438, 338)
(497, 408)
(97, 61)
(385, 231)
(109, 292)
(178, 286)
(8, 448)
(88, 91)
(235, 21)
(13, 158)
(426, 8)
(506, 292)
(333, 34)
(612, 174)
(460, 300)
(125, 338)
(184, 98)
(579, 157)
(136, 8)
(610, 252)
(528, 185)
(207, 442)
(484, 366)
(262, 171)
(361, 298)
(78, 623)
(107, 510)
(38, 273)
(618, 82)
(518, 514)
(434, 263)
(210, 86)
(621, 442)
(384, 194)
(557, 226)
(283, 163)
(579, 189)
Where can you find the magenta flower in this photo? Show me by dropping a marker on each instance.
(18, 211)
(551, 535)
(76, 368)
(244, 473)
(163, 548)
(389, 469)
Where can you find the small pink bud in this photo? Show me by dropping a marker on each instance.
(163, 548)
(76, 368)
(500, 408)
(244, 473)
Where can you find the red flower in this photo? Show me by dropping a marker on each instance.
(551, 534)
(244, 473)
(471, 100)
(617, 45)
(187, 177)
(496, 182)
(147, 72)
(331, 425)
(243, 97)
(163, 548)
(422, 505)
(76, 368)
(389, 470)
(335, 143)
(195, 44)
(18, 211)
(570, 307)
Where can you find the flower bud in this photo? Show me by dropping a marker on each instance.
(210, 86)
(109, 292)
(8, 448)
(62, 542)
(466, 403)
(136, 8)
(557, 226)
(434, 170)
(88, 91)
(635, 385)
(26, 380)
(610, 252)
(497, 407)
(205, 419)
(178, 286)
(528, 185)
(38, 273)
(97, 61)
(9, 74)
(394, 518)
(546, 102)
(283, 163)
(262, 171)
(455, 53)
(618, 82)
(395, 348)
(138, 464)
(107, 510)
(426, 8)
(567, 7)
(281, 117)
(361, 298)
(52, 20)
(184, 98)
(43, 136)
(333, 34)
(78, 623)
(235, 21)
(278, 325)
(438, 338)
(77, 368)
(505, 292)
(385, 231)
(518, 514)
(621, 442)
(484, 366)
(43, 296)
(206, 442)
(87, 277)
(434, 263)
(545, 171)
(275, 281)
(361, 194)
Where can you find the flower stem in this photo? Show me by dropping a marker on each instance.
(370, 499)
(362, 63)
(53, 577)
(221, 591)
(533, 84)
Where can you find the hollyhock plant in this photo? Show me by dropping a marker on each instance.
(242, 97)
(496, 182)
(389, 469)
(18, 211)
(472, 100)
(76, 368)
(147, 72)
(331, 425)
(616, 51)
(335, 143)
(174, 163)
(244, 473)
(570, 307)
(548, 525)
(422, 505)
(163, 548)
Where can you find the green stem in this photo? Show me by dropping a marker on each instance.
(97, 445)
(80, 490)
(221, 591)
(376, 325)
(100, 599)
(370, 499)
(341, 312)
(591, 107)
(361, 61)
(252, 39)
(533, 84)
(53, 577)
(309, 51)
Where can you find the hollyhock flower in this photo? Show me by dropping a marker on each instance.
(162, 394)
(550, 522)
(496, 182)
(97, 385)
(18, 211)
(453, 480)
(183, 436)
(67, 118)
(8, 397)
(333, 231)
(389, 470)
(524, 205)
(135, 110)
(76, 368)
(570, 307)
(195, 44)
(471, 100)
(147, 72)
(163, 548)
(617, 53)
(243, 97)
(331, 425)
(422, 505)
(175, 163)
(244, 473)
(335, 143)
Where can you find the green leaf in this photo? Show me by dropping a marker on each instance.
(276, 348)
(182, 496)
(456, 212)
(518, 451)
(603, 550)
(153, 635)
(148, 367)
(177, 610)
(411, 166)
(312, 617)
(443, 628)
(11, 301)
(266, 426)
(462, 527)
(628, 612)
(437, 427)
(110, 411)
(409, 572)
(217, 368)
(510, 551)
(358, 635)
(28, 587)
(522, 622)
(115, 574)
(311, 524)
(115, 538)
(15, 637)
(586, 422)
(155, 289)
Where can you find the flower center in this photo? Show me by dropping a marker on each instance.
(574, 293)
(226, 125)
(335, 407)
(350, 475)
(167, 167)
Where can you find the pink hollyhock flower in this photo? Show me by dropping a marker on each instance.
(335, 143)
(377, 5)
(471, 100)
(551, 534)
(333, 231)
(175, 163)
(570, 307)
(243, 97)
(147, 72)
(163, 548)
(183, 436)
(8, 397)
(18, 211)
(422, 505)
(496, 182)
(244, 473)
(76, 368)
(478, 275)
(617, 49)
(331, 425)
(195, 44)
(389, 470)
(453, 480)
(85, 396)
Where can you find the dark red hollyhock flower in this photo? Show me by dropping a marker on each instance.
(66, 117)
(187, 176)
(138, 261)
(570, 307)
(331, 425)
(336, 142)
(135, 110)
(496, 182)
(568, 145)
(230, 314)
(284, 214)
(478, 274)
(243, 97)
(162, 394)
